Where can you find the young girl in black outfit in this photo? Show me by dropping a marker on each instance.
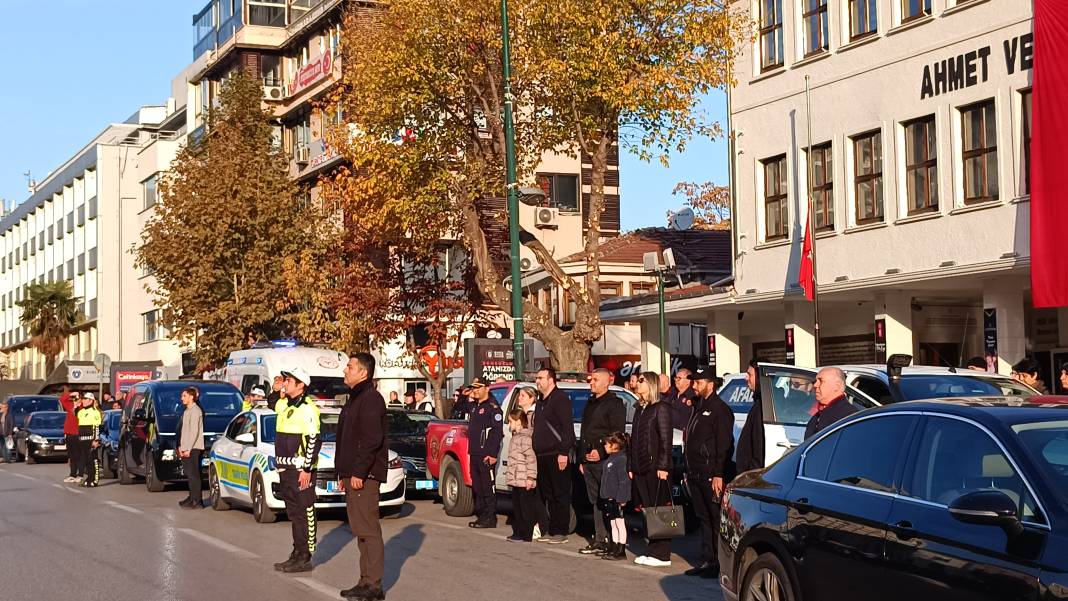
(614, 494)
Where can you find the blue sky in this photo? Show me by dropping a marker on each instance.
(74, 66)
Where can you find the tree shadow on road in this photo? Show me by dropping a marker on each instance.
(399, 548)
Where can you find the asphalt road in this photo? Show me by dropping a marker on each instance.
(123, 543)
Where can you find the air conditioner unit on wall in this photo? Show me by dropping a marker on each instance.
(527, 260)
(547, 217)
(273, 92)
(303, 153)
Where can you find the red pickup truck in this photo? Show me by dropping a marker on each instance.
(446, 446)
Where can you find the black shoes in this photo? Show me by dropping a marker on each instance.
(706, 570)
(477, 524)
(289, 561)
(597, 548)
(191, 504)
(615, 552)
(301, 562)
(364, 592)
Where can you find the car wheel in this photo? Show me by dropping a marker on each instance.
(30, 459)
(152, 481)
(572, 521)
(766, 580)
(456, 496)
(123, 473)
(107, 469)
(215, 488)
(260, 510)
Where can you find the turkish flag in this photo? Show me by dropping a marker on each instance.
(1049, 159)
(804, 276)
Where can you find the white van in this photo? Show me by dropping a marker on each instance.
(247, 368)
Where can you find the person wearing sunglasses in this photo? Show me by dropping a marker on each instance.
(651, 460)
(681, 397)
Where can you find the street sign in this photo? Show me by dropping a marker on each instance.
(102, 363)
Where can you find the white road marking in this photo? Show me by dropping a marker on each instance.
(317, 586)
(69, 489)
(123, 507)
(23, 476)
(211, 540)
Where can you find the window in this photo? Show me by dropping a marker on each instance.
(914, 9)
(862, 18)
(864, 454)
(611, 290)
(152, 326)
(268, 13)
(59, 229)
(868, 176)
(771, 41)
(40, 241)
(775, 208)
(92, 207)
(150, 194)
(59, 273)
(793, 395)
(921, 165)
(874, 388)
(688, 339)
(563, 190)
(70, 268)
(979, 130)
(1025, 109)
(816, 38)
(81, 264)
(955, 458)
(70, 222)
(81, 215)
(92, 258)
(637, 288)
(92, 309)
(236, 425)
(822, 170)
(51, 234)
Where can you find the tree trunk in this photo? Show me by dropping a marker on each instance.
(566, 353)
(50, 365)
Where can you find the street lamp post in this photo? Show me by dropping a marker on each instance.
(513, 197)
(663, 322)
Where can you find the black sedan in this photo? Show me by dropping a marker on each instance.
(42, 437)
(963, 499)
(407, 436)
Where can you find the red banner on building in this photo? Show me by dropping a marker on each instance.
(1049, 155)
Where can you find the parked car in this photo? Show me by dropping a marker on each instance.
(955, 499)
(110, 429)
(242, 468)
(447, 459)
(22, 405)
(148, 445)
(41, 437)
(407, 436)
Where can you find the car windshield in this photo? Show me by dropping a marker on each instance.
(328, 388)
(214, 401)
(916, 387)
(408, 424)
(48, 422)
(327, 427)
(1047, 444)
(27, 405)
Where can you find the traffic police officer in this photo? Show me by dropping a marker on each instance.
(485, 431)
(296, 446)
(89, 420)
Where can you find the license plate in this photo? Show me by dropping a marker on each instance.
(204, 462)
(426, 485)
(331, 486)
(61, 447)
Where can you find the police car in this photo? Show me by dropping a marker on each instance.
(241, 468)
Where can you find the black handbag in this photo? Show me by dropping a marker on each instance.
(664, 521)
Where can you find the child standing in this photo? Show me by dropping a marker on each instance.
(614, 494)
(522, 476)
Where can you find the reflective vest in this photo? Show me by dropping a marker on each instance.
(297, 441)
(89, 416)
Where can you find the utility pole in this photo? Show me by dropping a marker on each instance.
(513, 196)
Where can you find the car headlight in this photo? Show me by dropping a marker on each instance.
(168, 455)
(38, 439)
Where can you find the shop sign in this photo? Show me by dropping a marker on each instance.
(990, 338)
(83, 374)
(880, 340)
(789, 338)
(125, 379)
(312, 73)
(621, 366)
(971, 68)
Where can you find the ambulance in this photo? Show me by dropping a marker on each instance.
(261, 363)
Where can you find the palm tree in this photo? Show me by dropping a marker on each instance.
(50, 313)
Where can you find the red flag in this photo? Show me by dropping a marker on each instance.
(804, 276)
(1049, 159)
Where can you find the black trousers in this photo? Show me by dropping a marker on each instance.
(591, 473)
(525, 512)
(191, 467)
(482, 485)
(300, 508)
(706, 508)
(654, 492)
(555, 486)
(74, 453)
(90, 460)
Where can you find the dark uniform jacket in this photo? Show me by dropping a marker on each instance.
(554, 426)
(362, 449)
(650, 448)
(602, 416)
(463, 408)
(709, 439)
(837, 409)
(751, 440)
(485, 430)
(680, 411)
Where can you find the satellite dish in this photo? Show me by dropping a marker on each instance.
(682, 220)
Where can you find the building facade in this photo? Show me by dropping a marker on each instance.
(920, 116)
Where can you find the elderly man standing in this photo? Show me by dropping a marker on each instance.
(831, 402)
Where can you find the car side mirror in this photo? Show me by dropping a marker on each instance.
(987, 508)
(140, 415)
(246, 438)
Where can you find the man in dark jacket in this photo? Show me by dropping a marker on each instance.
(361, 462)
(604, 414)
(708, 443)
(485, 430)
(681, 398)
(751, 440)
(554, 439)
(831, 402)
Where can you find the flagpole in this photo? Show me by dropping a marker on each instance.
(812, 224)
